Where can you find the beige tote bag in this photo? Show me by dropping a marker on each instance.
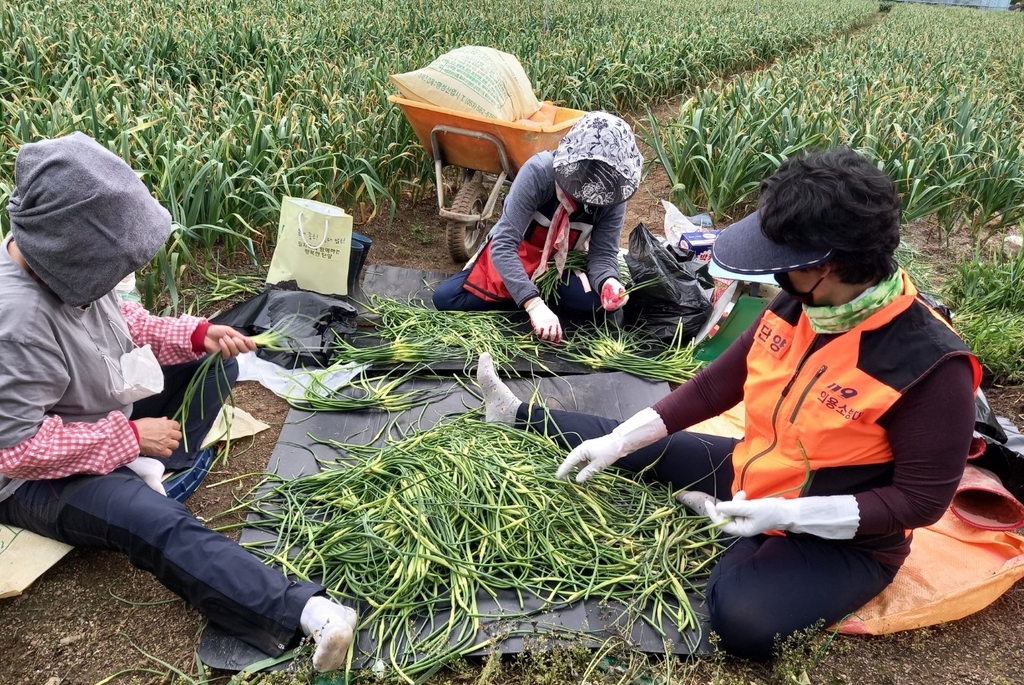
(314, 244)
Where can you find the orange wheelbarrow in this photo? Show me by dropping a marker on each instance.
(489, 153)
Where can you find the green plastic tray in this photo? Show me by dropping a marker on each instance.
(744, 312)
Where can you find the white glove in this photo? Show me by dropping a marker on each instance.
(151, 471)
(613, 295)
(545, 322)
(835, 518)
(640, 430)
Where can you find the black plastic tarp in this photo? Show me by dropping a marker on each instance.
(311, 321)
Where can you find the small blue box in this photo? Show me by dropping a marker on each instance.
(700, 243)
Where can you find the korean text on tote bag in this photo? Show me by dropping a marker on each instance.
(314, 244)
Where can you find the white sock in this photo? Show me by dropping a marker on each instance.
(331, 626)
(695, 500)
(151, 471)
(500, 404)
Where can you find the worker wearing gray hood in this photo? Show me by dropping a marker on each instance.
(86, 388)
(82, 218)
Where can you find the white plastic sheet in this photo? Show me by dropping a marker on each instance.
(292, 383)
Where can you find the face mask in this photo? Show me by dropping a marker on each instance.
(565, 200)
(138, 377)
(803, 297)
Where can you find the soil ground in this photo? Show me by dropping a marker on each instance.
(93, 615)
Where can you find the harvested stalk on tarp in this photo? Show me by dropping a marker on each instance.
(396, 351)
(414, 334)
(617, 349)
(363, 392)
(433, 522)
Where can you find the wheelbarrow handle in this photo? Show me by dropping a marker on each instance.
(479, 135)
(439, 166)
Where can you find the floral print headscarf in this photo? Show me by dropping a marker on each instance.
(597, 162)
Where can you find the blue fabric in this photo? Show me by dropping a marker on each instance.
(451, 296)
(762, 587)
(183, 483)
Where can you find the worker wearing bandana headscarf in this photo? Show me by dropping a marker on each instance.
(560, 201)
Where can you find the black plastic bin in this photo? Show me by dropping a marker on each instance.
(360, 249)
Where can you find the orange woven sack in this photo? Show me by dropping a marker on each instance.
(953, 570)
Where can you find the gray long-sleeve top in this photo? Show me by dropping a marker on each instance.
(532, 197)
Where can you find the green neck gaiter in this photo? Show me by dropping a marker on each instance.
(843, 317)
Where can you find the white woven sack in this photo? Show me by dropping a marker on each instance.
(473, 79)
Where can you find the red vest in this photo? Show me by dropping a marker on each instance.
(483, 279)
(808, 412)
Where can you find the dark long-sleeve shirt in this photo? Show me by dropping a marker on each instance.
(929, 430)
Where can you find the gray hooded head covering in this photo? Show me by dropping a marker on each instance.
(598, 162)
(81, 217)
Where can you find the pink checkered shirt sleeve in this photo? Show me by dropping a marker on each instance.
(170, 337)
(60, 449)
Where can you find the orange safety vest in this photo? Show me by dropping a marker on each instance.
(812, 417)
(483, 279)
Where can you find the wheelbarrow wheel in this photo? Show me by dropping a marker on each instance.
(464, 239)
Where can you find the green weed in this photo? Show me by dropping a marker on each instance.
(978, 285)
(988, 298)
(421, 233)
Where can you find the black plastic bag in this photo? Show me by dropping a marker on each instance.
(933, 302)
(1004, 447)
(681, 291)
(312, 321)
(985, 421)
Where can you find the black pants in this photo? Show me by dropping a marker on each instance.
(763, 587)
(227, 584)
